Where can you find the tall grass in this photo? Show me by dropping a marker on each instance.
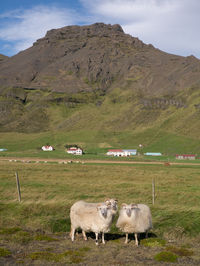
(48, 191)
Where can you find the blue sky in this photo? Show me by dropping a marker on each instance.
(170, 25)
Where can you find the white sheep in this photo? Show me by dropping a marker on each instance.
(111, 202)
(89, 217)
(134, 218)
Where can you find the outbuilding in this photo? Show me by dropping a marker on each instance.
(153, 154)
(185, 156)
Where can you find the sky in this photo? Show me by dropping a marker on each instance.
(170, 25)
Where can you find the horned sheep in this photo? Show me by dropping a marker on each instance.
(91, 217)
(134, 218)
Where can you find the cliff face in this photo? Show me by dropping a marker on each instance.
(79, 58)
(97, 64)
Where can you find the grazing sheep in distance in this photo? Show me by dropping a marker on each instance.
(91, 218)
(134, 218)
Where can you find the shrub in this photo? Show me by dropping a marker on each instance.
(166, 256)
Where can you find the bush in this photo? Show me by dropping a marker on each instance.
(166, 256)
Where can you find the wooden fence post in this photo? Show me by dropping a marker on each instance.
(18, 186)
(153, 191)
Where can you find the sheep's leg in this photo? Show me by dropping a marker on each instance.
(126, 240)
(146, 235)
(84, 235)
(72, 233)
(136, 239)
(96, 241)
(103, 240)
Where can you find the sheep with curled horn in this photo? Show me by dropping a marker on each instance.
(134, 218)
(90, 218)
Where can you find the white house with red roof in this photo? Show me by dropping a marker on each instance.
(75, 151)
(47, 148)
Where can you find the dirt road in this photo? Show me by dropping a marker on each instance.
(88, 161)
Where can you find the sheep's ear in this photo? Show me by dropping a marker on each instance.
(115, 200)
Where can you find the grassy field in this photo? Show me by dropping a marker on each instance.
(48, 190)
(96, 143)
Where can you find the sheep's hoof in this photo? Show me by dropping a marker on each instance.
(96, 243)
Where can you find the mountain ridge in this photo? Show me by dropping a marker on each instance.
(97, 77)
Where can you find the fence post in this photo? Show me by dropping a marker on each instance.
(153, 191)
(18, 186)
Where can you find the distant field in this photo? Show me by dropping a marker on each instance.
(95, 144)
(48, 190)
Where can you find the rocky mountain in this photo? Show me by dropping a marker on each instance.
(97, 77)
(3, 58)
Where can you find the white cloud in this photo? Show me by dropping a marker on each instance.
(26, 26)
(171, 25)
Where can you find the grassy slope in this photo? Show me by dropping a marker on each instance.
(119, 122)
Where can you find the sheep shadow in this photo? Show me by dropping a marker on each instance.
(117, 236)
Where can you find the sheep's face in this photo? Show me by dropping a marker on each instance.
(112, 202)
(103, 210)
(128, 209)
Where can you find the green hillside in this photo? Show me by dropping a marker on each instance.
(97, 123)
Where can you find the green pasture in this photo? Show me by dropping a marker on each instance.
(48, 190)
(96, 143)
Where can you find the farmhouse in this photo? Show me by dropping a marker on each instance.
(75, 151)
(121, 153)
(185, 156)
(47, 148)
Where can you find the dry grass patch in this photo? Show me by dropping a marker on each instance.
(180, 251)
